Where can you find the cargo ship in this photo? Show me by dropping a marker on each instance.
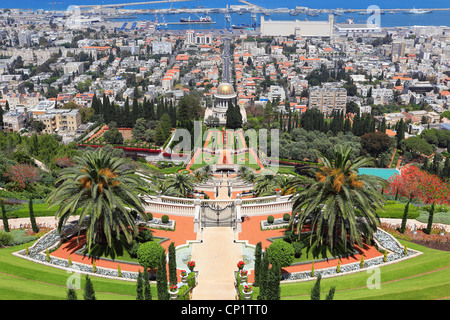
(206, 19)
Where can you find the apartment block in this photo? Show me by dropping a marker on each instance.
(328, 100)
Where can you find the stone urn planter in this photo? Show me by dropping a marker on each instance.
(173, 291)
(184, 277)
(243, 276)
(247, 291)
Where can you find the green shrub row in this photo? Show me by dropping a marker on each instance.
(395, 210)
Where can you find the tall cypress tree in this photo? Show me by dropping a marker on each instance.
(34, 226)
(383, 125)
(139, 286)
(272, 287)
(404, 218)
(315, 291)
(172, 265)
(161, 279)
(257, 270)
(134, 112)
(263, 277)
(4, 217)
(400, 132)
(430, 219)
(126, 114)
(71, 294)
(89, 293)
(147, 289)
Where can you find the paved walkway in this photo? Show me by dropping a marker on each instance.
(215, 260)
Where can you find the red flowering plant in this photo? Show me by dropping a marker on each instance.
(247, 288)
(191, 265)
(64, 162)
(243, 273)
(173, 288)
(183, 273)
(424, 186)
(240, 265)
(23, 175)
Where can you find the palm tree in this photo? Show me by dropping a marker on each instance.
(340, 204)
(251, 177)
(181, 184)
(243, 172)
(102, 188)
(286, 184)
(265, 184)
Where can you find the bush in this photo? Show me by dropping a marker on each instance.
(150, 216)
(270, 219)
(281, 252)
(145, 235)
(286, 217)
(165, 219)
(6, 239)
(289, 236)
(191, 279)
(21, 237)
(297, 249)
(149, 254)
(133, 249)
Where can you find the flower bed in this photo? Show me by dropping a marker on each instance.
(385, 240)
(277, 224)
(157, 223)
(433, 240)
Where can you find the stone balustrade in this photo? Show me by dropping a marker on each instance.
(246, 207)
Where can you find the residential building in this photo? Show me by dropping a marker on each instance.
(328, 99)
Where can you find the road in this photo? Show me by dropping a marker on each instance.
(226, 60)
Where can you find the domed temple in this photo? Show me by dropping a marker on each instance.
(225, 94)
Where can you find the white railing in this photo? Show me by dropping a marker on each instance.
(266, 208)
(170, 208)
(249, 207)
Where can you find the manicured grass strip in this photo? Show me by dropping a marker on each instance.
(40, 210)
(395, 210)
(423, 277)
(23, 279)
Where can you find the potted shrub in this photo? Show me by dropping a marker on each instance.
(270, 219)
(165, 219)
(243, 275)
(173, 291)
(247, 291)
(184, 276)
(241, 265)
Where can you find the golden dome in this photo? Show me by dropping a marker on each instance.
(225, 89)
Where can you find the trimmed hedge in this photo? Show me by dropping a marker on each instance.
(395, 210)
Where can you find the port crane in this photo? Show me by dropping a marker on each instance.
(53, 5)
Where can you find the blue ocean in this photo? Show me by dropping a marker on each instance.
(437, 18)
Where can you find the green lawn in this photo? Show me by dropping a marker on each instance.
(395, 210)
(423, 278)
(21, 279)
(40, 210)
(246, 159)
